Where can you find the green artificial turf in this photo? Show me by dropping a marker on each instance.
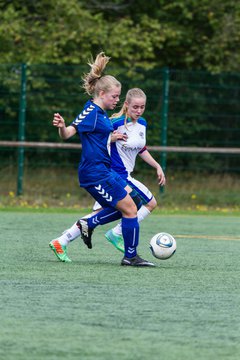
(94, 309)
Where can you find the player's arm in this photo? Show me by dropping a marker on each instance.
(65, 132)
(147, 157)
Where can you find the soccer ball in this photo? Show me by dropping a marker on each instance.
(163, 245)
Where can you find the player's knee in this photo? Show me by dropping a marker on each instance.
(136, 198)
(152, 204)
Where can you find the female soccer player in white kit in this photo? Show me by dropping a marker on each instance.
(129, 121)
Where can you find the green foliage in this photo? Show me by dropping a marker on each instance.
(189, 34)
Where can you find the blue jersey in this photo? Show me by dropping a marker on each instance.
(94, 128)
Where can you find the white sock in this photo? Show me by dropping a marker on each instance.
(69, 235)
(118, 229)
(142, 213)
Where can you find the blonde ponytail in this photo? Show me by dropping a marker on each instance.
(94, 81)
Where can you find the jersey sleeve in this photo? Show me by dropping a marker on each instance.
(115, 126)
(86, 120)
(117, 122)
(142, 150)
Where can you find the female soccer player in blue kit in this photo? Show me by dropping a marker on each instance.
(95, 174)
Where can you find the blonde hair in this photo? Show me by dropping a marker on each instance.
(131, 94)
(94, 81)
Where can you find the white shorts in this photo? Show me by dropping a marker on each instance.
(144, 193)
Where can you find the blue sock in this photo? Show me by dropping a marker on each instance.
(130, 231)
(104, 217)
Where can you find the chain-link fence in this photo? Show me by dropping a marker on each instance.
(185, 110)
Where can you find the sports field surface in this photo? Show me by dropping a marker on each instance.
(186, 308)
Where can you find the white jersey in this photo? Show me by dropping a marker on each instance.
(124, 153)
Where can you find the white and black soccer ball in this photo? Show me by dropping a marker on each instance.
(163, 245)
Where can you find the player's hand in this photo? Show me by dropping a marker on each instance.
(58, 121)
(161, 177)
(118, 136)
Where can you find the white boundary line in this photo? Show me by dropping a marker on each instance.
(208, 237)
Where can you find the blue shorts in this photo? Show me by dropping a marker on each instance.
(108, 192)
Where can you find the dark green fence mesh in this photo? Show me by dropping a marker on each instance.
(203, 111)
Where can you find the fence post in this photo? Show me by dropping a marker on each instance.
(21, 129)
(164, 123)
